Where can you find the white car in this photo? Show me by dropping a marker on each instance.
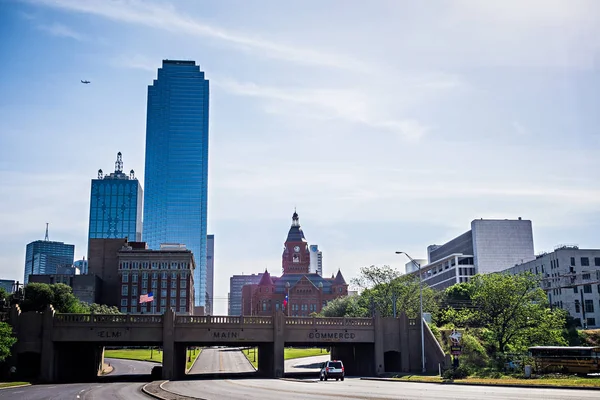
(332, 369)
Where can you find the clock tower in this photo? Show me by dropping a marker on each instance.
(296, 256)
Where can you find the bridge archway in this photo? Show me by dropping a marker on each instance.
(392, 361)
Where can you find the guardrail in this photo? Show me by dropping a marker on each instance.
(329, 321)
(62, 319)
(191, 319)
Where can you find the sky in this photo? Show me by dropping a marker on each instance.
(389, 125)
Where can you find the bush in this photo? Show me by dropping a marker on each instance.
(459, 373)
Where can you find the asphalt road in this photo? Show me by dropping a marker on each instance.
(216, 360)
(306, 364)
(354, 388)
(89, 391)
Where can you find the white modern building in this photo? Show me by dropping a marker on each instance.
(571, 278)
(316, 260)
(489, 246)
(411, 267)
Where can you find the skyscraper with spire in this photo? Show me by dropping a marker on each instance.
(43, 257)
(116, 205)
(176, 175)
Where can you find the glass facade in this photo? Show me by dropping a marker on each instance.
(116, 206)
(176, 175)
(43, 257)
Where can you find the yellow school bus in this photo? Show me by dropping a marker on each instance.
(579, 360)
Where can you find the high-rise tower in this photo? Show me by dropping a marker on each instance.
(295, 257)
(116, 205)
(43, 257)
(176, 176)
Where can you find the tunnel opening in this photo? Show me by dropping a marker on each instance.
(220, 360)
(392, 361)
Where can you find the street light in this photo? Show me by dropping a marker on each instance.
(421, 308)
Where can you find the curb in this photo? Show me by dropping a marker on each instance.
(16, 386)
(299, 380)
(526, 386)
(194, 363)
(147, 393)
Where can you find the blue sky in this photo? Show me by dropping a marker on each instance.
(390, 126)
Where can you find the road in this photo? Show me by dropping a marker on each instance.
(216, 360)
(306, 364)
(354, 388)
(89, 391)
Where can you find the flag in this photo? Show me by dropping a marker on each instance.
(146, 298)
(285, 301)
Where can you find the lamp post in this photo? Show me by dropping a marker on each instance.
(287, 306)
(421, 309)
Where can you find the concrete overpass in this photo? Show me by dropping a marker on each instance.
(69, 347)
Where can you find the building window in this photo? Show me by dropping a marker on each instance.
(586, 276)
(165, 275)
(173, 275)
(575, 290)
(587, 288)
(577, 310)
(182, 293)
(163, 309)
(276, 306)
(134, 278)
(585, 262)
(154, 284)
(124, 290)
(123, 302)
(182, 309)
(573, 261)
(597, 261)
(163, 302)
(182, 302)
(125, 277)
(182, 284)
(173, 284)
(591, 322)
(163, 284)
(183, 275)
(144, 283)
(264, 306)
(155, 275)
(589, 306)
(173, 302)
(144, 275)
(163, 293)
(124, 310)
(173, 293)
(134, 291)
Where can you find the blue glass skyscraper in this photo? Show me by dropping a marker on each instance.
(42, 257)
(116, 205)
(176, 176)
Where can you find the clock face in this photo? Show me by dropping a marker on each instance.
(297, 249)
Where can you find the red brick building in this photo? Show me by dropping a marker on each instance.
(306, 292)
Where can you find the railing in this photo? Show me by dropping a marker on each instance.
(329, 321)
(61, 319)
(190, 319)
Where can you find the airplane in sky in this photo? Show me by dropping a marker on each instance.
(86, 82)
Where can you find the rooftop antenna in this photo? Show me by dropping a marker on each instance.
(99, 174)
(46, 237)
(119, 163)
(132, 174)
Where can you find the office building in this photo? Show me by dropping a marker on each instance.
(82, 265)
(7, 285)
(488, 247)
(236, 283)
(571, 278)
(43, 257)
(86, 288)
(411, 267)
(316, 260)
(103, 262)
(176, 174)
(116, 205)
(167, 273)
(210, 274)
(298, 292)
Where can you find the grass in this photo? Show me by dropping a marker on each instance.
(288, 353)
(11, 384)
(135, 354)
(553, 380)
(190, 361)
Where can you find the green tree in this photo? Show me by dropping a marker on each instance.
(7, 340)
(37, 297)
(375, 275)
(63, 300)
(515, 311)
(347, 306)
(101, 309)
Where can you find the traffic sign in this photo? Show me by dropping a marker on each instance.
(455, 350)
(455, 337)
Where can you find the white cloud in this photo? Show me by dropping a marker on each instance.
(166, 17)
(135, 61)
(60, 30)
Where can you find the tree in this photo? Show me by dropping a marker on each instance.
(101, 309)
(515, 311)
(63, 300)
(375, 275)
(347, 306)
(7, 340)
(37, 297)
